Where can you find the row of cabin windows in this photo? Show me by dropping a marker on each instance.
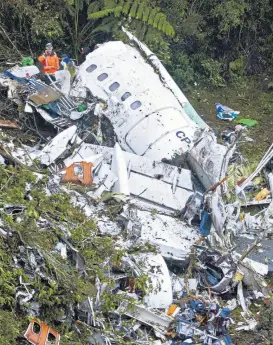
(113, 87)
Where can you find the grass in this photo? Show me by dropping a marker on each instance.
(252, 99)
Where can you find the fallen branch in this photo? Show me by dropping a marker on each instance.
(9, 157)
(11, 42)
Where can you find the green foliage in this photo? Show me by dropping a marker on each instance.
(229, 16)
(181, 70)
(60, 286)
(237, 68)
(133, 9)
(8, 278)
(212, 69)
(216, 41)
(9, 329)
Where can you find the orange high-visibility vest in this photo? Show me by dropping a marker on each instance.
(50, 62)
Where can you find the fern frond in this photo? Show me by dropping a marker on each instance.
(146, 14)
(101, 14)
(118, 11)
(133, 10)
(109, 4)
(157, 19)
(107, 25)
(161, 23)
(93, 7)
(152, 15)
(142, 31)
(168, 29)
(140, 10)
(150, 34)
(126, 7)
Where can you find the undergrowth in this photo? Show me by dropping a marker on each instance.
(28, 255)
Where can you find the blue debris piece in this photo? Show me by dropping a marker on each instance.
(225, 113)
(189, 329)
(206, 223)
(225, 312)
(13, 77)
(227, 339)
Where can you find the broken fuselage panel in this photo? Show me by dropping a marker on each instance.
(147, 117)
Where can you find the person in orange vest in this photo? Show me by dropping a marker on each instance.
(50, 61)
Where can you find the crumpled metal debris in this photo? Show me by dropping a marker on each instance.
(39, 333)
(166, 178)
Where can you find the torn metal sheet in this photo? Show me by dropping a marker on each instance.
(218, 212)
(179, 285)
(44, 96)
(109, 181)
(58, 145)
(106, 225)
(12, 87)
(241, 298)
(260, 256)
(158, 192)
(151, 184)
(24, 72)
(147, 317)
(264, 161)
(209, 160)
(252, 279)
(172, 236)
(216, 270)
(142, 165)
(160, 295)
(39, 333)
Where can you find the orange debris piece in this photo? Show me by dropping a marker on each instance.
(39, 333)
(79, 173)
(8, 124)
(172, 309)
(262, 195)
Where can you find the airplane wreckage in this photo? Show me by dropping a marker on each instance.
(125, 127)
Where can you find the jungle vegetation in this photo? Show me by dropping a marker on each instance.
(215, 41)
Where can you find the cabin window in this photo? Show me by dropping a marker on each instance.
(36, 328)
(51, 339)
(91, 68)
(136, 105)
(125, 96)
(113, 87)
(102, 76)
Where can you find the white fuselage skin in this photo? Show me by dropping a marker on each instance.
(150, 114)
(147, 117)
